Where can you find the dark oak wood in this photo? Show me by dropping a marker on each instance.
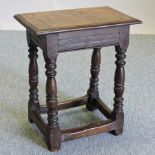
(53, 130)
(59, 31)
(67, 104)
(88, 33)
(102, 107)
(93, 91)
(88, 42)
(33, 104)
(36, 117)
(119, 78)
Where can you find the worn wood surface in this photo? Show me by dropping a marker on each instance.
(61, 31)
(91, 129)
(88, 42)
(52, 45)
(66, 20)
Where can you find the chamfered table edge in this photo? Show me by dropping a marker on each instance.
(33, 29)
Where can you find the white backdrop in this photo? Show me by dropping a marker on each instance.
(142, 9)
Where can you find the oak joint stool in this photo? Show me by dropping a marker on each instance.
(70, 30)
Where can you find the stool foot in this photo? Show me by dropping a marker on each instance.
(117, 132)
(120, 123)
(30, 119)
(53, 139)
(90, 107)
(93, 92)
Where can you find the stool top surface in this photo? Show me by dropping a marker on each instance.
(75, 19)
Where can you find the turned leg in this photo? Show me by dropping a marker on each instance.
(33, 103)
(93, 91)
(119, 80)
(53, 130)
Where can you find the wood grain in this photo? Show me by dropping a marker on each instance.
(88, 42)
(66, 20)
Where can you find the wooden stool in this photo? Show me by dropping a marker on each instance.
(69, 30)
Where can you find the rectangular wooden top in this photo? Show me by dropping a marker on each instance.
(75, 19)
